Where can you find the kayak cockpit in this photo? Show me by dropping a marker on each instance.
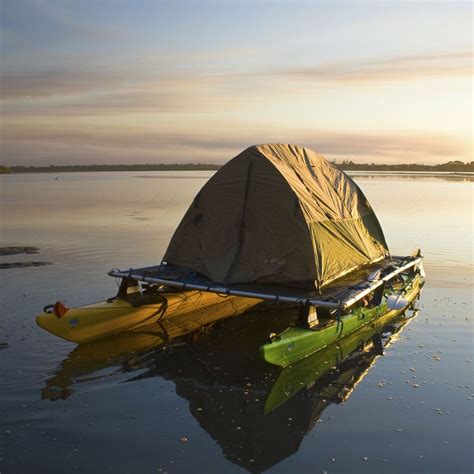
(138, 294)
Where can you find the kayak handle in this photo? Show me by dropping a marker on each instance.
(49, 308)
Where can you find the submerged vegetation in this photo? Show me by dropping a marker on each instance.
(347, 165)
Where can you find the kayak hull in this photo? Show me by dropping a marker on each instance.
(105, 318)
(295, 343)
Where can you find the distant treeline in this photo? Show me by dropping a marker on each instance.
(451, 166)
(143, 167)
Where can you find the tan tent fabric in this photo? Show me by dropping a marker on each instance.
(278, 214)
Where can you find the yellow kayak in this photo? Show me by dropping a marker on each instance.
(124, 348)
(129, 312)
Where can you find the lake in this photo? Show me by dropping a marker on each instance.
(207, 403)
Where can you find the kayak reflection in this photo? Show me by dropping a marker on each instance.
(258, 413)
(123, 350)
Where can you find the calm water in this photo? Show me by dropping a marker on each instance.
(207, 404)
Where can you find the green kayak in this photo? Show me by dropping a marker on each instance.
(295, 343)
(307, 371)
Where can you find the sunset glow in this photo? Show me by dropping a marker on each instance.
(168, 82)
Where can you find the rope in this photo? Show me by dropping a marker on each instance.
(159, 312)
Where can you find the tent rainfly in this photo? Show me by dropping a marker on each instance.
(278, 214)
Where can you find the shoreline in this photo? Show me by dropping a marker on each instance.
(362, 172)
(451, 167)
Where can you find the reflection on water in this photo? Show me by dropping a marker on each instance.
(125, 347)
(407, 175)
(258, 414)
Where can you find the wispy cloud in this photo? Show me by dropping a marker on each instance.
(402, 68)
(70, 114)
(149, 79)
(89, 144)
(51, 83)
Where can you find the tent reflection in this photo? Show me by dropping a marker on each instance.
(258, 414)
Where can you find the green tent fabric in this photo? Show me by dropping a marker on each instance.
(278, 214)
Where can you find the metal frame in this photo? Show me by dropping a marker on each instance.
(376, 284)
(265, 296)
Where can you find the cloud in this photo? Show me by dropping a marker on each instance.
(142, 81)
(110, 113)
(51, 83)
(127, 144)
(402, 68)
(404, 146)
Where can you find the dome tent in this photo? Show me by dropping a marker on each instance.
(278, 214)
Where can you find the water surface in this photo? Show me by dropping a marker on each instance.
(207, 404)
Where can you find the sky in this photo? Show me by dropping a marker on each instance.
(143, 81)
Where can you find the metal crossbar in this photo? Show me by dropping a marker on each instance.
(134, 273)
